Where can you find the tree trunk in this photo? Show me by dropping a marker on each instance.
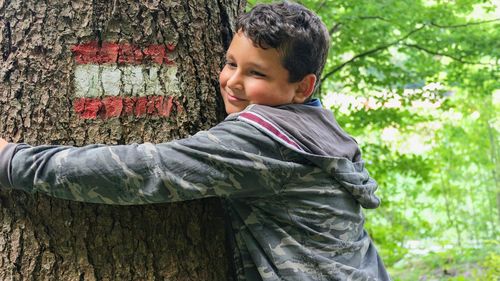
(116, 72)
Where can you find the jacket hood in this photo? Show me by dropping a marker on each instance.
(313, 131)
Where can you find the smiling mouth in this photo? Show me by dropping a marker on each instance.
(232, 98)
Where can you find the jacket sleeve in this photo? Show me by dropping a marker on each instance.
(226, 161)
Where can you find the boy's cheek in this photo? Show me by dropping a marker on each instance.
(223, 76)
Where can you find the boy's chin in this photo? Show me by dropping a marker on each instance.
(230, 109)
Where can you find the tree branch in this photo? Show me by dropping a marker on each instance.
(383, 47)
(369, 52)
(436, 53)
(319, 6)
(335, 28)
(464, 24)
(374, 18)
(433, 23)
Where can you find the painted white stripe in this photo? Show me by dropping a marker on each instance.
(133, 80)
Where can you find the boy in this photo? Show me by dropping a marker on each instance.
(292, 180)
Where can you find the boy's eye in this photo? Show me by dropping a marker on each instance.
(257, 73)
(231, 64)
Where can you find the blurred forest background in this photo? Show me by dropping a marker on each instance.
(417, 84)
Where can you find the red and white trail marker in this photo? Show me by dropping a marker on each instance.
(113, 80)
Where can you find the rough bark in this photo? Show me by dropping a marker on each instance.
(43, 238)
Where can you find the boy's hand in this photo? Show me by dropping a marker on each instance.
(3, 143)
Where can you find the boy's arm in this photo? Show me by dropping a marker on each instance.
(205, 165)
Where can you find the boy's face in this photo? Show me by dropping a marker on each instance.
(253, 75)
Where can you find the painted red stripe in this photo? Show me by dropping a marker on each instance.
(109, 107)
(107, 52)
(270, 127)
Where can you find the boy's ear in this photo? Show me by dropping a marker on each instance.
(305, 88)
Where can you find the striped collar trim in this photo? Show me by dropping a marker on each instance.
(266, 126)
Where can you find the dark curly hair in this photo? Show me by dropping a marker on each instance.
(298, 34)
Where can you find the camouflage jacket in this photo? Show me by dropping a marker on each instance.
(293, 181)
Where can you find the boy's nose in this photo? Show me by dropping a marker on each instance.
(234, 81)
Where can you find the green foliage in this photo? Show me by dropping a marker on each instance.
(417, 83)
(452, 264)
(491, 268)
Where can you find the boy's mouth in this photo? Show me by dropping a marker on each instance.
(233, 98)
